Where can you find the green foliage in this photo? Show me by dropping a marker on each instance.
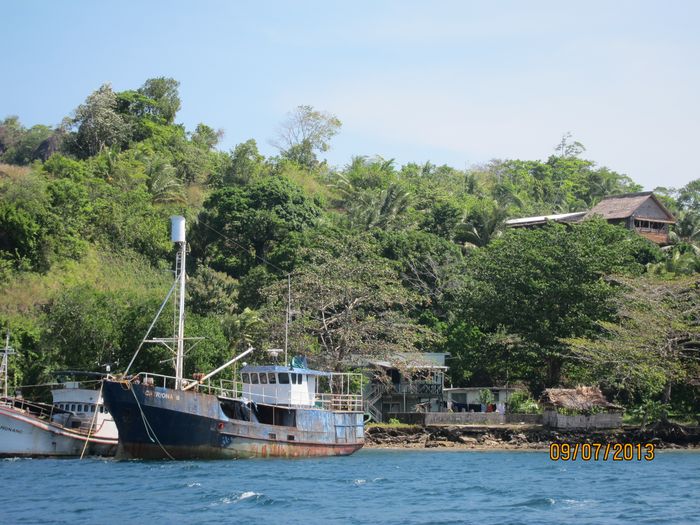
(384, 259)
(255, 218)
(652, 347)
(305, 132)
(211, 292)
(650, 412)
(246, 164)
(486, 396)
(19, 145)
(547, 284)
(98, 123)
(163, 91)
(522, 403)
(345, 305)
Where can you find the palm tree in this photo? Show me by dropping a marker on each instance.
(484, 223)
(163, 182)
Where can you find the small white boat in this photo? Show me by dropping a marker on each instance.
(76, 424)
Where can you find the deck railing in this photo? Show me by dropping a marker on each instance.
(231, 389)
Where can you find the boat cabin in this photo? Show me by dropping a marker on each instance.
(78, 407)
(281, 385)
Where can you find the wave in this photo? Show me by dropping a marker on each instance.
(535, 503)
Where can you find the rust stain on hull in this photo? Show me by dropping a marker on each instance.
(188, 425)
(245, 450)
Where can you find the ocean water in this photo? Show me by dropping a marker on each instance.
(372, 486)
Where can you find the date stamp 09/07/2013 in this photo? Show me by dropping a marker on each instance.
(601, 451)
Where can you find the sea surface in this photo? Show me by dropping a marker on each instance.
(372, 486)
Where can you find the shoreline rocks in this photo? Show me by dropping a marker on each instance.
(531, 437)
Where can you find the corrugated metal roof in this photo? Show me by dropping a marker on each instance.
(540, 219)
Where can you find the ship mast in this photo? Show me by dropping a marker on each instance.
(178, 237)
(4, 368)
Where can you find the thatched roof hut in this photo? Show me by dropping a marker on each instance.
(580, 399)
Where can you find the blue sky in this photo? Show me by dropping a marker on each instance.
(455, 83)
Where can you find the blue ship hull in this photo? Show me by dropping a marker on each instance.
(160, 423)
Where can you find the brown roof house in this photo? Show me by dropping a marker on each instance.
(641, 212)
(583, 407)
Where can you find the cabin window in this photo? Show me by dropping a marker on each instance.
(101, 410)
(254, 379)
(72, 407)
(92, 408)
(284, 378)
(263, 379)
(272, 378)
(245, 377)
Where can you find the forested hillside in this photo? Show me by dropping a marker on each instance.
(383, 258)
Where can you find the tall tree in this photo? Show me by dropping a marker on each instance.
(98, 123)
(164, 92)
(653, 347)
(547, 284)
(253, 219)
(305, 132)
(345, 306)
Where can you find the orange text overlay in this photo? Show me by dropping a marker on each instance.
(601, 451)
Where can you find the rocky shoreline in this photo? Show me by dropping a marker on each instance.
(521, 437)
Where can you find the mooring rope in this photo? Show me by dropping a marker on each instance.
(92, 423)
(147, 426)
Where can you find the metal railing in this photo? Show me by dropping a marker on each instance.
(49, 414)
(273, 394)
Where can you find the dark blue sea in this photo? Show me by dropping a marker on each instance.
(373, 486)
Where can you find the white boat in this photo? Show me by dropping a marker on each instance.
(76, 424)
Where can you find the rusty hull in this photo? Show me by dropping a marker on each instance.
(157, 423)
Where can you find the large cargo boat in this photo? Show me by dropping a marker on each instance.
(283, 410)
(75, 424)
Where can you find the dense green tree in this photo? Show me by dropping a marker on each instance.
(246, 164)
(652, 348)
(212, 292)
(547, 284)
(19, 145)
(164, 92)
(239, 226)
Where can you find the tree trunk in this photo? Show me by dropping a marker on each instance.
(554, 365)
